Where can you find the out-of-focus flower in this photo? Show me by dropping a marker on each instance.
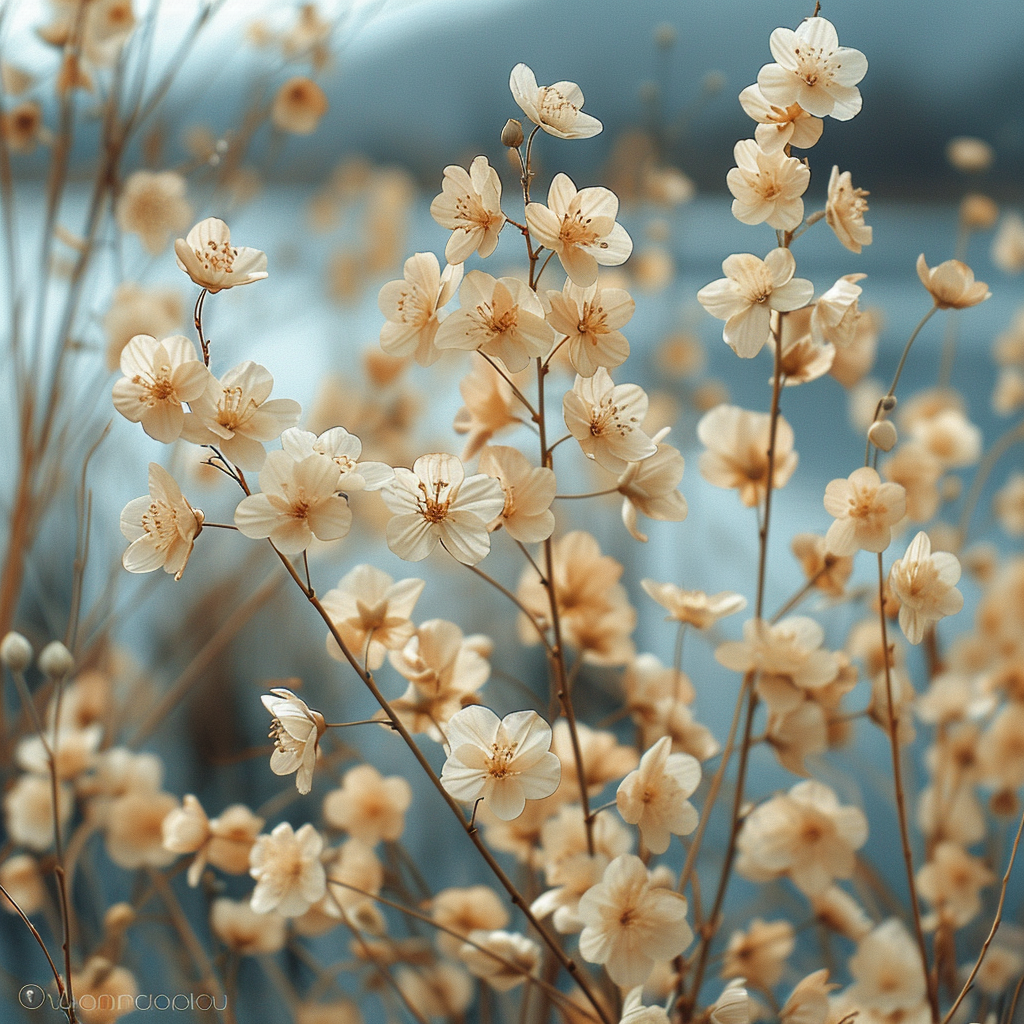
(503, 761)
(750, 290)
(949, 436)
(978, 212)
(1008, 505)
(809, 1001)
(153, 206)
(29, 811)
(865, 511)
(161, 526)
(298, 106)
(887, 971)
(649, 487)
(136, 310)
(491, 406)
(779, 127)
(918, 470)
(296, 731)
(845, 209)
(22, 127)
(289, 875)
(827, 571)
(104, 991)
(634, 1011)
(579, 226)
(767, 187)
(519, 957)
(556, 108)
(759, 954)
(470, 207)
(951, 284)
(590, 319)
(1008, 245)
(693, 606)
(368, 806)
(814, 71)
(134, 829)
(208, 257)
(436, 502)
(969, 154)
(21, 876)
(925, 584)
(474, 908)
(245, 931)
(529, 491)
(952, 881)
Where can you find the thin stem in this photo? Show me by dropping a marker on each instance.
(992, 456)
(589, 494)
(508, 380)
(197, 319)
(515, 600)
(799, 595)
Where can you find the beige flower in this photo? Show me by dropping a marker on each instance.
(556, 108)
(21, 876)
(768, 187)
(502, 318)
(634, 1011)
(296, 732)
(590, 319)
(343, 449)
(289, 875)
(135, 310)
(969, 154)
(208, 257)
(693, 606)
(491, 407)
(835, 318)
(808, 1003)
(779, 127)
(153, 206)
(827, 571)
(502, 959)
(134, 829)
(887, 970)
(470, 207)
(529, 491)
(952, 881)
(951, 284)
(759, 954)
(653, 796)
(298, 106)
(865, 512)
(1008, 245)
(475, 908)
(368, 806)
(28, 811)
(580, 227)
(630, 924)
(22, 127)
(649, 486)
(845, 209)
(1008, 505)
(949, 436)
(750, 290)
(245, 931)
(925, 584)
(161, 526)
(104, 991)
(918, 471)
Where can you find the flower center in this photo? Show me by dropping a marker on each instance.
(499, 764)
(431, 507)
(160, 522)
(556, 110)
(234, 408)
(576, 230)
(217, 256)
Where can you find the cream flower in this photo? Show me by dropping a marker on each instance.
(952, 881)
(813, 70)
(162, 527)
(925, 584)
(296, 732)
(631, 924)
(865, 512)
(556, 108)
(502, 959)
(244, 931)
(759, 954)
(887, 970)
(505, 762)
(491, 406)
(650, 487)
(768, 187)
(208, 257)
(368, 806)
(634, 1011)
(502, 318)
(779, 127)
(410, 307)
(135, 310)
(286, 866)
(580, 227)
(750, 290)
(436, 502)
(470, 207)
(951, 284)
(474, 908)
(606, 420)
(835, 318)
(343, 449)
(1008, 245)
(845, 209)
(529, 491)
(158, 377)
(298, 106)
(234, 415)
(693, 606)
(371, 613)
(153, 206)
(590, 319)
(654, 796)
(790, 648)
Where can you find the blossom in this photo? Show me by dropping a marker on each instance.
(580, 227)
(865, 512)
(813, 70)
(605, 418)
(298, 106)
(502, 959)
(952, 881)
(1008, 245)
(693, 606)
(634, 1011)
(505, 762)
(590, 319)
(491, 406)
(134, 829)
(153, 206)
(835, 318)
(296, 732)
(368, 806)
(29, 814)
(737, 451)
(790, 649)
(136, 310)
(161, 526)
(951, 284)
(887, 971)
(435, 501)
(410, 307)
(925, 584)
(371, 613)
(749, 291)
(343, 449)
(649, 486)
(630, 924)
(529, 491)
(759, 954)
(470, 207)
(556, 108)
(208, 257)
(474, 908)
(502, 318)
(767, 187)
(845, 209)
(779, 127)
(234, 415)
(244, 931)
(969, 154)
(289, 875)
(654, 795)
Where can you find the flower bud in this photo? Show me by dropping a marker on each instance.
(512, 134)
(119, 917)
(882, 434)
(15, 652)
(55, 660)
(969, 154)
(888, 403)
(978, 212)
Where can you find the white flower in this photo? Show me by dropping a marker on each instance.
(556, 108)
(649, 486)
(410, 307)
(435, 501)
(779, 127)
(751, 289)
(813, 70)
(296, 732)
(834, 319)
(925, 584)
(505, 762)
(768, 187)
(470, 207)
(289, 875)
(162, 527)
(208, 257)
(590, 319)
(343, 449)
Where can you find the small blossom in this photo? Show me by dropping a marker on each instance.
(135, 310)
(779, 127)
(29, 814)
(529, 491)
(153, 206)
(887, 971)
(161, 526)
(208, 257)
(835, 316)
(134, 829)
(970, 155)
(410, 307)
(298, 106)
(649, 487)
(343, 449)
(767, 187)
(952, 881)
(1008, 245)
(368, 806)
(590, 319)
(634, 1011)
(556, 108)
(474, 908)
(925, 584)
(296, 732)
(759, 954)
(289, 875)
(865, 512)
(845, 209)
(502, 959)
(245, 931)
(951, 284)
(470, 207)
(693, 606)
(790, 649)
(491, 406)
(750, 290)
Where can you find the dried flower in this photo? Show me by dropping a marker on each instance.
(298, 106)
(845, 209)
(925, 584)
(768, 187)
(779, 127)
(153, 206)
(470, 207)
(529, 491)
(289, 875)
(649, 487)
(343, 449)
(519, 958)
(865, 512)
(759, 954)
(556, 108)
(296, 732)
(835, 318)
(952, 284)
(368, 806)
(590, 319)
(245, 931)
(208, 257)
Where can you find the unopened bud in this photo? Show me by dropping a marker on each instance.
(55, 660)
(888, 403)
(512, 134)
(882, 434)
(978, 212)
(15, 652)
(118, 917)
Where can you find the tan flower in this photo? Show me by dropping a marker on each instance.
(103, 991)
(298, 106)
(21, 876)
(828, 571)
(134, 310)
(969, 154)
(245, 931)
(22, 127)
(809, 1001)
(134, 829)
(925, 584)
(790, 648)
(556, 108)
(410, 307)
(693, 606)
(208, 257)
(768, 187)
(490, 407)
(466, 910)
(529, 491)
(951, 284)
(865, 511)
(949, 436)
(1008, 505)
(296, 732)
(918, 471)
(887, 970)
(634, 1011)
(470, 207)
(28, 811)
(368, 806)
(952, 881)
(779, 127)
(502, 959)
(289, 875)
(342, 449)
(845, 209)
(759, 954)
(835, 318)
(153, 206)
(590, 319)
(1008, 245)
(604, 757)
(649, 486)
